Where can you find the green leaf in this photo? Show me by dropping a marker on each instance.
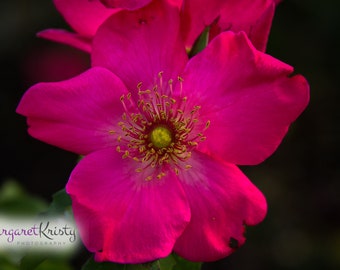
(91, 264)
(144, 266)
(61, 203)
(30, 262)
(200, 43)
(15, 201)
(54, 265)
(167, 263)
(6, 263)
(182, 264)
(172, 262)
(45, 261)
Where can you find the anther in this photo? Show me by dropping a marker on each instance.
(126, 154)
(160, 76)
(160, 175)
(162, 131)
(180, 80)
(207, 124)
(170, 86)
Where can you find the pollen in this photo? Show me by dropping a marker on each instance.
(160, 129)
(160, 137)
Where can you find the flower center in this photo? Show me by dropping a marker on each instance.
(159, 131)
(160, 137)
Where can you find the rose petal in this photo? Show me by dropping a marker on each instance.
(222, 200)
(126, 4)
(83, 16)
(252, 16)
(123, 217)
(138, 45)
(68, 38)
(249, 98)
(79, 114)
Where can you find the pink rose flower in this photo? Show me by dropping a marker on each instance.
(251, 16)
(126, 4)
(254, 17)
(162, 136)
(85, 17)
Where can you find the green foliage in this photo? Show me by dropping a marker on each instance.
(182, 264)
(200, 43)
(92, 265)
(61, 203)
(167, 263)
(6, 263)
(53, 265)
(172, 262)
(36, 262)
(15, 201)
(29, 262)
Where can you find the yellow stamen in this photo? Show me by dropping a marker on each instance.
(163, 132)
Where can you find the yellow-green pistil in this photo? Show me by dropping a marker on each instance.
(160, 137)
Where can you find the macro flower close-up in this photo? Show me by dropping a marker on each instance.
(162, 136)
(85, 17)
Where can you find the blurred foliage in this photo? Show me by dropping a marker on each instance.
(172, 262)
(34, 262)
(300, 181)
(16, 203)
(61, 203)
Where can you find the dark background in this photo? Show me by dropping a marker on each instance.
(301, 180)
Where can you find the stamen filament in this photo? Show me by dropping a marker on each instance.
(158, 130)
